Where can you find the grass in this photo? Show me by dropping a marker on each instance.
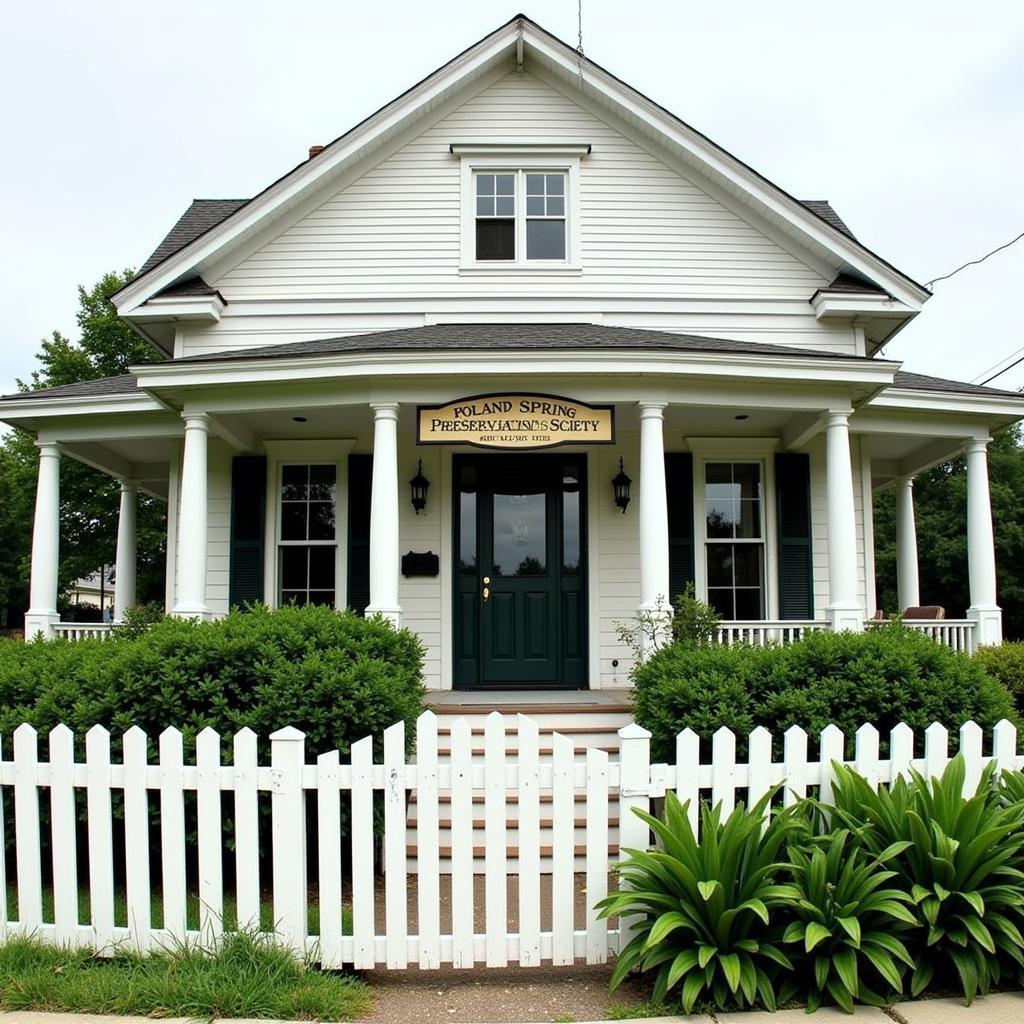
(627, 1011)
(192, 907)
(246, 977)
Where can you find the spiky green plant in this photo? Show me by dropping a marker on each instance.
(959, 866)
(846, 923)
(706, 906)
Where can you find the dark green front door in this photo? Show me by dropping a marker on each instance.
(520, 587)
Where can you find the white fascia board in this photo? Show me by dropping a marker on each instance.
(949, 401)
(575, 149)
(200, 309)
(291, 187)
(744, 178)
(834, 371)
(844, 304)
(21, 409)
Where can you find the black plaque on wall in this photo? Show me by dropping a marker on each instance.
(423, 563)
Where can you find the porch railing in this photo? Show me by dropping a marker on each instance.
(82, 630)
(957, 634)
(764, 632)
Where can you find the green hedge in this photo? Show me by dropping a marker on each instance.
(334, 675)
(883, 676)
(1006, 665)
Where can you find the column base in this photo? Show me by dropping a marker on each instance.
(988, 624)
(40, 623)
(392, 613)
(192, 611)
(845, 618)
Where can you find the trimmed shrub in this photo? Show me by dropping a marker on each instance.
(334, 675)
(883, 676)
(1006, 665)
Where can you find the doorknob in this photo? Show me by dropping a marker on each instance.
(487, 589)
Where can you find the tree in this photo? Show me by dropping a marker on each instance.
(940, 508)
(90, 500)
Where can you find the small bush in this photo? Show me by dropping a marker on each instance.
(1005, 664)
(883, 676)
(334, 675)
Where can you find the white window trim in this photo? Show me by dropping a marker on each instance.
(514, 161)
(723, 449)
(309, 453)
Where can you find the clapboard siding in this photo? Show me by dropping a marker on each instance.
(791, 325)
(645, 229)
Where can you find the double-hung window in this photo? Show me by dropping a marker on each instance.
(520, 206)
(520, 215)
(308, 542)
(734, 539)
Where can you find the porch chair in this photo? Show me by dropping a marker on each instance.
(925, 611)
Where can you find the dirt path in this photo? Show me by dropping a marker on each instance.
(497, 995)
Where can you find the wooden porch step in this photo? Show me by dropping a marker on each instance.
(466, 710)
(513, 798)
(480, 823)
(445, 852)
(542, 751)
(543, 730)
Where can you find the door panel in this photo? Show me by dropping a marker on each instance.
(519, 575)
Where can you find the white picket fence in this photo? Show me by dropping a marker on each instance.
(460, 919)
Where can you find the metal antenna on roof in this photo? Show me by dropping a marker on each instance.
(579, 41)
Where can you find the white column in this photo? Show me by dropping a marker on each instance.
(42, 612)
(907, 579)
(655, 599)
(981, 549)
(192, 539)
(844, 609)
(125, 569)
(384, 514)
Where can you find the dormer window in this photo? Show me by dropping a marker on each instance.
(520, 207)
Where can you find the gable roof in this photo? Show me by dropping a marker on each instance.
(819, 230)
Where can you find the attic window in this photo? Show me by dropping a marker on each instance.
(520, 209)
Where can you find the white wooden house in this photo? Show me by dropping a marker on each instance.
(515, 282)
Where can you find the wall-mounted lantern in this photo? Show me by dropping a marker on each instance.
(620, 487)
(419, 485)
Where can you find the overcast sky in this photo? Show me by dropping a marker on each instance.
(907, 116)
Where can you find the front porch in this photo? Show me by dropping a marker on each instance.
(287, 477)
(628, 559)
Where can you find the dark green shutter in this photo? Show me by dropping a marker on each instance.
(360, 475)
(679, 486)
(793, 502)
(248, 501)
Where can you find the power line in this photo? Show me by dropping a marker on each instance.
(972, 263)
(996, 365)
(1005, 369)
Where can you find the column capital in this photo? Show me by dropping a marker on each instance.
(837, 418)
(196, 420)
(652, 410)
(48, 449)
(129, 486)
(385, 410)
(977, 446)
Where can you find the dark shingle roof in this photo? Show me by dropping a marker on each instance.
(202, 215)
(124, 384)
(919, 382)
(849, 283)
(823, 209)
(469, 337)
(191, 286)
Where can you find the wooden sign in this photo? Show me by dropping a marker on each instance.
(515, 421)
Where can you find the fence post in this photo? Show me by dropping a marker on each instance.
(288, 811)
(634, 790)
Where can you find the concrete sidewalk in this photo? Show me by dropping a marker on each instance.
(1005, 1008)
